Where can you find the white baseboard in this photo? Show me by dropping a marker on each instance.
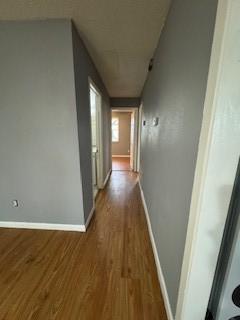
(121, 155)
(157, 261)
(42, 226)
(48, 226)
(89, 217)
(106, 179)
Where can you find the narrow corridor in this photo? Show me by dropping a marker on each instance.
(108, 273)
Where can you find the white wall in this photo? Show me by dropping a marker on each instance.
(216, 165)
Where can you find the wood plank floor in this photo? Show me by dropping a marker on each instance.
(120, 164)
(108, 273)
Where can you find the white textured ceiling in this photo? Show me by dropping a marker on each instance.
(121, 35)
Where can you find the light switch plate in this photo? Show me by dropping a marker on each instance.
(15, 203)
(155, 121)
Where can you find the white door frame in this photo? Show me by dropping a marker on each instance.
(201, 226)
(132, 140)
(135, 144)
(138, 166)
(135, 112)
(99, 132)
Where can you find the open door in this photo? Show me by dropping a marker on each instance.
(96, 134)
(132, 141)
(125, 137)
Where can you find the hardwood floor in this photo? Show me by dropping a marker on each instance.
(108, 273)
(120, 164)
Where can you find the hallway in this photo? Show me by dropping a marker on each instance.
(108, 273)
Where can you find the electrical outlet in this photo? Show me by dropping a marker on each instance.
(15, 203)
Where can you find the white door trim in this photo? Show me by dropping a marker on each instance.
(100, 131)
(202, 162)
(139, 138)
(136, 145)
(135, 138)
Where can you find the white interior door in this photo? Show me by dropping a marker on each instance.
(132, 142)
(93, 104)
(139, 138)
(96, 133)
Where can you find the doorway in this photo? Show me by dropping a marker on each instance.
(96, 136)
(124, 139)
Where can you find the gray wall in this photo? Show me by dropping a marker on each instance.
(122, 147)
(175, 92)
(84, 68)
(39, 163)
